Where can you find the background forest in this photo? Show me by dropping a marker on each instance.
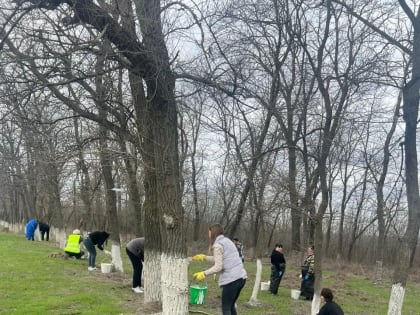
(291, 121)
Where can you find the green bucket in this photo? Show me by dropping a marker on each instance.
(198, 294)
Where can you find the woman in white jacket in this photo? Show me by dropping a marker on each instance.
(227, 264)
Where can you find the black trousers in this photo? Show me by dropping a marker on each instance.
(45, 233)
(275, 279)
(137, 268)
(230, 293)
(307, 288)
(77, 255)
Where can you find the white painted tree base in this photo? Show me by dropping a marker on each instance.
(175, 289)
(116, 258)
(254, 296)
(396, 299)
(316, 301)
(151, 277)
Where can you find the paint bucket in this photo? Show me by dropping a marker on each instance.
(198, 294)
(265, 286)
(295, 294)
(106, 268)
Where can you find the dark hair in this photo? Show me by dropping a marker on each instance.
(236, 239)
(327, 294)
(278, 245)
(215, 231)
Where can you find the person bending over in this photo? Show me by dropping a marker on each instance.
(90, 240)
(135, 251)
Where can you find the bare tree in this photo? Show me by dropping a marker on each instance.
(410, 114)
(336, 79)
(191, 126)
(147, 58)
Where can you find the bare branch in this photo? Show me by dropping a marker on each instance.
(382, 33)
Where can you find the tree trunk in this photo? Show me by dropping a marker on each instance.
(250, 174)
(296, 212)
(195, 192)
(106, 161)
(254, 296)
(139, 103)
(163, 211)
(380, 208)
(135, 199)
(85, 186)
(162, 177)
(409, 241)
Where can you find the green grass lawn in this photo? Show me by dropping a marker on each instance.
(31, 282)
(355, 292)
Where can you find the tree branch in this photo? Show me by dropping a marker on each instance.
(383, 34)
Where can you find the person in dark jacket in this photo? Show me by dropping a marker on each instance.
(90, 240)
(308, 277)
(278, 267)
(44, 228)
(135, 251)
(330, 307)
(30, 229)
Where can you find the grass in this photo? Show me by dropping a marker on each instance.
(353, 288)
(34, 283)
(31, 282)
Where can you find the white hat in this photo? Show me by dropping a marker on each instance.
(76, 231)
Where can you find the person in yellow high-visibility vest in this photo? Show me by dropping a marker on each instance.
(73, 246)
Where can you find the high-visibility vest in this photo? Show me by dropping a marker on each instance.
(73, 244)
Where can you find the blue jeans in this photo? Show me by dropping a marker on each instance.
(230, 293)
(91, 249)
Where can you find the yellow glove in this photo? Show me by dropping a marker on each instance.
(199, 275)
(199, 257)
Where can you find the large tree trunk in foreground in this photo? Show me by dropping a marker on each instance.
(162, 178)
(148, 58)
(410, 114)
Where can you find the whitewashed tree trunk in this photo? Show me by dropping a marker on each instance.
(116, 257)
(152, 275)
(37, 234)
(174, 279)
(5, 226)
(17, 228)
(60, 237)
(396, 299)
(254, 296)
(13, 227)
(315, 304)
(4, 223)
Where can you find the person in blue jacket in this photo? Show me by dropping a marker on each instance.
(30, 229)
